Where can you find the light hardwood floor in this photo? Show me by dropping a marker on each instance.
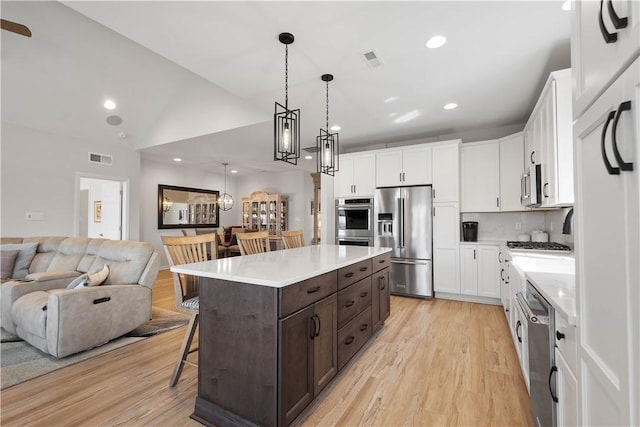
(434, 363)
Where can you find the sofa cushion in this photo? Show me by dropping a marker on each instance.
(127, 260)
(7, 261)
(47, 249)
(70, 253)
(25, 255)
(90, 256)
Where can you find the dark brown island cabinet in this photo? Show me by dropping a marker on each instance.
(266, 352)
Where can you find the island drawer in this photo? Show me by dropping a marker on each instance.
(353, 336)
(381, 261)
(301, 294)
(353, 300)
(353, 273)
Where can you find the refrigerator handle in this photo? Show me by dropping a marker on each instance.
(400, 222)
(402, 219)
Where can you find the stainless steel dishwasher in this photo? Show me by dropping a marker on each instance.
(540, 319)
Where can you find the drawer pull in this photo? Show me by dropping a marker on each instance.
(382, 261)
(625, 106)
(349, 303)
(101, 300)
(349, 274)
(559, 335)
(314, 289)
(608, 37)
(553, 370)
(363, 269)
(518, 324)
(364, 294)
(349, 340)
(364, 327)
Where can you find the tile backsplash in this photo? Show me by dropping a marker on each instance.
(509, 225)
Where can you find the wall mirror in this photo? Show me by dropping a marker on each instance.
(184, 207)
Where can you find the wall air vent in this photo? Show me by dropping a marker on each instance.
(372, 59)
(103, 159)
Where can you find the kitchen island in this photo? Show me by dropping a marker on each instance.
(275, 328)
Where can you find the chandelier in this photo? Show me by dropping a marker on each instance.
(225, 201)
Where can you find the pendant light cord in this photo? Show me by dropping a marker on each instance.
(286, 76)
(327, 107)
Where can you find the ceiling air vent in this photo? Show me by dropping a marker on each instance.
(103, 159)
(312, 149)
(372, 60)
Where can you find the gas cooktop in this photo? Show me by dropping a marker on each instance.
(543, 246)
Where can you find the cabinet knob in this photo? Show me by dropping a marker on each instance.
(559, 335)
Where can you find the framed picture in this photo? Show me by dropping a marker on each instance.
(97, 211)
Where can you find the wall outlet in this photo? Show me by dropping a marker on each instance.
(518, 225)
(34, 216)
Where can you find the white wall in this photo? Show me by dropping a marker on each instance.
(298, 185)
(39, 172)
(154, 173)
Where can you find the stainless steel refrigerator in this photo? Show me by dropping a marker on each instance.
(403, 218)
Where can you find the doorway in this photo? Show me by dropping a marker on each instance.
(101, 208)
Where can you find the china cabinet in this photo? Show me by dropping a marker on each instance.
(265, 212)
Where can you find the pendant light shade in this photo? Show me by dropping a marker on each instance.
(225, 201)
(327, 143)
(286, 122)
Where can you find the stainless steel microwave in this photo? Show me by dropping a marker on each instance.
(531, 187)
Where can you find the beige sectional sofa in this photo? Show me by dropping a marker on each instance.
(41, 310)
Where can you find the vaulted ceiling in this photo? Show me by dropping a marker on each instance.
(198, 80)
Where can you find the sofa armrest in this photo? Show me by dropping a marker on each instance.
(79, 319)
(52, 275)
(14, 289)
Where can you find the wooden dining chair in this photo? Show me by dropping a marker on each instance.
(253, 243)
(221, 249)
(292, 239)
(187, 250)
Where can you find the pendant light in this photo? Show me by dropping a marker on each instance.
(326, 142)
(286, 144)
(225, 201)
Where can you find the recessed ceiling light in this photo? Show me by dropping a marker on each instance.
(308, 157)
(436, 42)
(451, 106)
(391, 99)
(566, 5)
(109, 104)
(336, 127)
(122, 135)
(233, 171)
(177, 159)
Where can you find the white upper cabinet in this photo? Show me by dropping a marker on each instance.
(356, 176)
(548, 140)
(403, 166)
(480, 188)
(446, 172)
(511, 169)
(597, 62)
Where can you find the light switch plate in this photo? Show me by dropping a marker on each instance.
(34, 216)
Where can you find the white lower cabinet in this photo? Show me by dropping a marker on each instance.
(521, 340)
(480, 270)
(567, 393)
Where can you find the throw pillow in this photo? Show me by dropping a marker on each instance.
(79, 282)
(25, 255)
(96, 279)
(8, 260)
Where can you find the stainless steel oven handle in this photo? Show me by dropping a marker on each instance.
(531, 316)
(396, 261)
(353, 207)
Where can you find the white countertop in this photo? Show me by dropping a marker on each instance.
(281, 268)
(560, 290)
(553, 275)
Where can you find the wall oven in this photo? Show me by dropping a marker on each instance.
(354, 221)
